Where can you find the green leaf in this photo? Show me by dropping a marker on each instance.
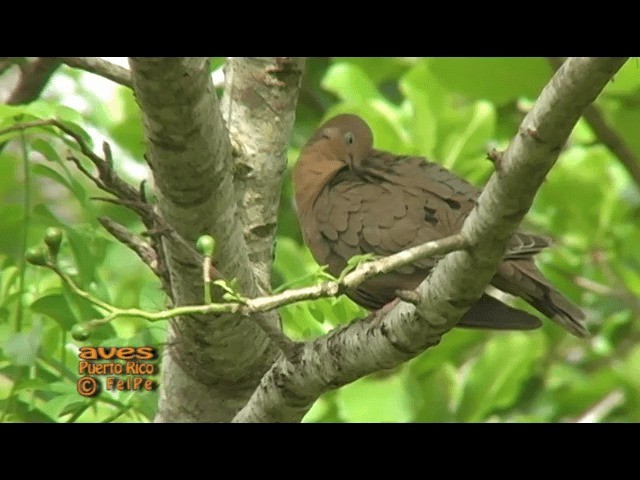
(498, 80)
(56, 307)
(473, 140)
(73, 186)
(23, 347)
(423, 95)
(72, 408)
(376, 399)
(629, 370)
(69, 116)
(31, 384)
(433, 394)
(358, 260)
(324, 410)
(455, 347)
(8, 276)
(574, 391)
(293, 263)
(152, 298)
(42, 109)
(146, 403)
(224, 286)
(79, 131)
(79, 239)
(299, 323)
(379, 69)
(10, 112)
(45, 148)
(127, 130)
(56, 405)
(350, 83)
(495, 380)
(626, 81)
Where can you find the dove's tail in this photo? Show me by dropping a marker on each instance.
(523, 279)
(491, 313)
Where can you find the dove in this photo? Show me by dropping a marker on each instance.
(352, 199)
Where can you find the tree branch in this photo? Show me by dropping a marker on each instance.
(288, 389)
(214, 363)
(101, 67)
(249, 306)
(145, 251)
(607, 134)
(6, 63)
(259, 105)
(34, 76)
(603, 408)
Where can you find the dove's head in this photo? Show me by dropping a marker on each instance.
(347, 137)
(343, 141)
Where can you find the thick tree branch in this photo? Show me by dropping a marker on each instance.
(607, 134)
(259, 105)
(34, 76)
(288, 389)
(101, 67)
(214, 363)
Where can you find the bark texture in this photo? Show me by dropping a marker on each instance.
(258, 105)
(212, 364)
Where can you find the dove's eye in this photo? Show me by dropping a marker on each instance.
(348, 137)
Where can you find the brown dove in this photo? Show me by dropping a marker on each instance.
(352, 199)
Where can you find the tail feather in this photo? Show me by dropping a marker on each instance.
(521, 278)
(491, 313)
(558, 308)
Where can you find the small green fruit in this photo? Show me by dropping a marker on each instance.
(80, 332)
(53, 238)
(36, 256)
(206, 245)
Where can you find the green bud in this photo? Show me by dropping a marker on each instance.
(53, 238)
(36, 256)
(206, 245)
(80, 332)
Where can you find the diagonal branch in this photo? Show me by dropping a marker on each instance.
(607, 134)
(288, 389)
(101, 67)
(34, 76)
(614, 142)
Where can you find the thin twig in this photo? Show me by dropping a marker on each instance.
(619, 287)
(264, 304)
(592, 286)
(146, 253)
(106, 180)
(613, 141)
(257, 307)
(603, 408)
(101, 67)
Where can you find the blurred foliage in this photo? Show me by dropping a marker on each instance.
(450, 110)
